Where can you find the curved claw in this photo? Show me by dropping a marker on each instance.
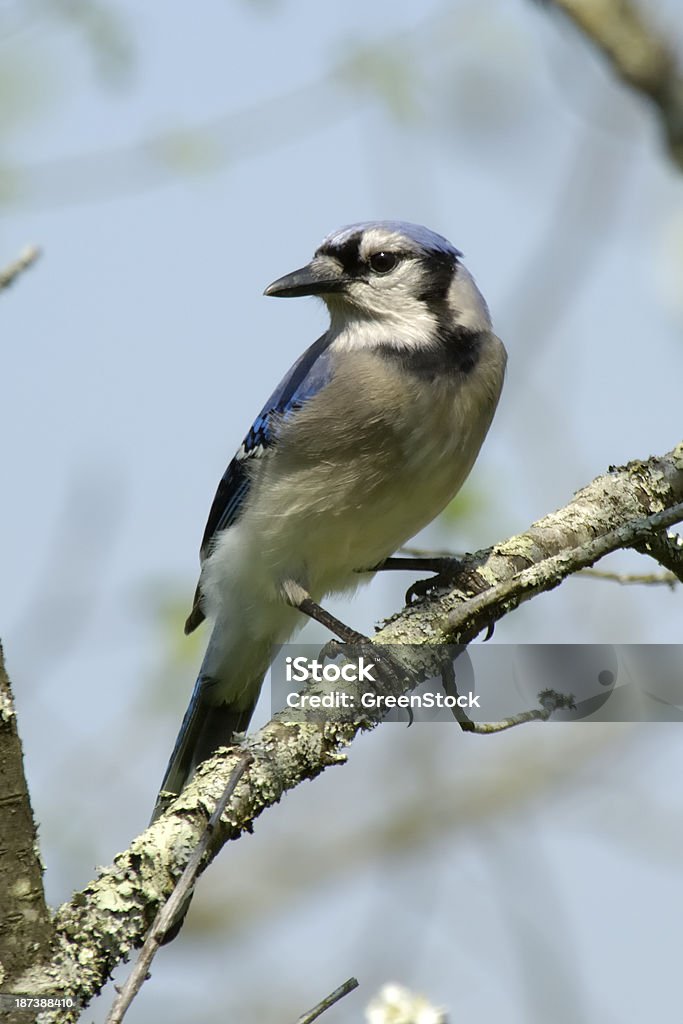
(419, 589)
(468, 580)
(331, 650)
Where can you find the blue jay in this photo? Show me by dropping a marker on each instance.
(366, 439)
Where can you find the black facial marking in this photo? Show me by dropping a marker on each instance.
(439, 270)
(348, 254)
(458, 351)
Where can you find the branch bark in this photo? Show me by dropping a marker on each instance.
(667, 549)
(640, 55)
(621, 498)
(99, 926)
(25, 927)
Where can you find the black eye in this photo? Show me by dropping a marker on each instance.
(383, 262)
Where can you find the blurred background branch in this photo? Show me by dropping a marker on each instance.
(648, 579)
(639, 54)
(367, 73)
(328, 1001)
(12, 271)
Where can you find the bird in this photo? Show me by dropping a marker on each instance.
(367, 438)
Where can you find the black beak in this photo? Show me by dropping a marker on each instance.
(314, 279)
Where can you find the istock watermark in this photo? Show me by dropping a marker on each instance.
(482, 683)
(304, 670)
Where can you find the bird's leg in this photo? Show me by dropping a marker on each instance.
(447, 571)
(390, 670)
(297, 597)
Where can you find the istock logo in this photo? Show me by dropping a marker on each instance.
(303, 670)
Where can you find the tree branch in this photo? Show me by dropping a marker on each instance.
(167, 914)
(667, 549)
(328, 1001)
(622, 497)
(484, 609)
(639, 53)
(26, 258)
(99, 926)
(670, 545)
(25, 927)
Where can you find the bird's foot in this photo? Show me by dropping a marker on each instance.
(387, 673)
(447, 572)
(390, 672)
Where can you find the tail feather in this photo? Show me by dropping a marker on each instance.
(205, 728)
(223, 701)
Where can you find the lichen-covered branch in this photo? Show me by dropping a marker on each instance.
(639, 52)
(101, 924)
(504, 597)
(25, 928)
(621, 498)
(168, 913)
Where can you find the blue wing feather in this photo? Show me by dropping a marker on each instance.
(307, 376)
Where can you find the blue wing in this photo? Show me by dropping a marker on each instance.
(307, 376)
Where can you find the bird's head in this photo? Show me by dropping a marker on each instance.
(389, 271)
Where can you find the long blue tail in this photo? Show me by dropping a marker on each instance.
(222, 703)
(204, 729)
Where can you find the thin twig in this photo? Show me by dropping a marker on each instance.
(550, 701)
(329, 1001)
(654, 579)
(26, 258)
(503, 597)
(651, 579)
(167, 915)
